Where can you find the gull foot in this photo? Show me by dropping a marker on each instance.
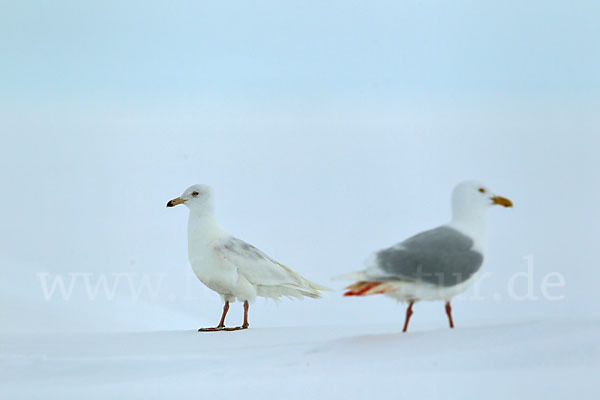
(215, 329)
(236, 328)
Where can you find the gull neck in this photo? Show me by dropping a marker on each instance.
(203, 225)
(473, 224)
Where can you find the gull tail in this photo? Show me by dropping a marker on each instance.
(313, 290)
(294, 291)
(304, 286)
(363, 286)
(316, 286)
(368, 288)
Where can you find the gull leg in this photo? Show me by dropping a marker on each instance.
(221, 325)
(246, 307)
(449, 313)
(225, 309)
(245, 325)
(409, 312)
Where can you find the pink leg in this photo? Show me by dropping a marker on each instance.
(449, 313)
(221, 325)
(409, 312)
(246, 307)
(245, 325)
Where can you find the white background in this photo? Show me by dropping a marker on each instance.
(327, 131)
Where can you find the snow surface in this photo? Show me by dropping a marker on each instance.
(550, 359)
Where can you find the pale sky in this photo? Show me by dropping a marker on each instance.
(277, 50)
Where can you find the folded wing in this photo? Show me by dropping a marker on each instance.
(442, 256)
(261, 270)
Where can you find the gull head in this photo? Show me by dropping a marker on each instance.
(472, 197)
(194, 197)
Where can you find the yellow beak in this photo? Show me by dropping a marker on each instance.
(502, 201)
(175, 202)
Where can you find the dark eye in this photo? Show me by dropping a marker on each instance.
(195, 194)
(481, 190)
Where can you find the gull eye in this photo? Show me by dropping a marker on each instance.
(195, 194)
(481, 190)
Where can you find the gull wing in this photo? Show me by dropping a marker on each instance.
(256, 266)
(442, 256)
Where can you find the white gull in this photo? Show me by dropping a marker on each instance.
(231, 267)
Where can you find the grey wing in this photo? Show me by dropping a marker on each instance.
(442, 256)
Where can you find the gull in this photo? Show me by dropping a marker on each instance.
(231, 267)
(437, 264)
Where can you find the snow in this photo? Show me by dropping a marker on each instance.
(550, 359)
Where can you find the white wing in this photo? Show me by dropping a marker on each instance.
(256, 266)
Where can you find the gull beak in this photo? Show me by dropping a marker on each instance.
(175, 202)
(502, 201)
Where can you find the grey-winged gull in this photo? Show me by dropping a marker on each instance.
(231, 267)
(437, 264)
